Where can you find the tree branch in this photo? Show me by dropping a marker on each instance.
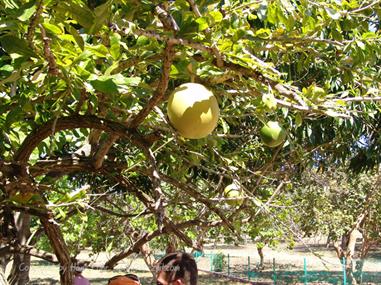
(29, 250)
(112, 262)
(39, 212)
(74, 122)
(161, 89)
(189, 189)
(302, 40)
(359, 99)
(53, 70)
(121, 215)
(154, 208)
(103, 149)
(33, 24)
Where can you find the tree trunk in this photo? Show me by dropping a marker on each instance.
(58, 244)
(148, 257)
(350, 251)
(4, 260)
(261, 256)
(3, 280)
(19, 274)
(8, 233)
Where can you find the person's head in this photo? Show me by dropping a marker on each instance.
(177, 268)
(78, 268)
(128, 279)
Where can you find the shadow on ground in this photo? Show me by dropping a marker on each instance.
(282, 277)
(203, 280)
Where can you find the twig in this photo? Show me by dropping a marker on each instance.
(365, 7)
(125, 64)
(277, 190)
(303, 40)
(359, 99)
(165, 222)
(48, 53)
(33, 24)
(194, 8)
(176, 41)
(290, 94)
(166, 19)
(190, 189)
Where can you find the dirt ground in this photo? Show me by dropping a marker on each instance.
(318, 259)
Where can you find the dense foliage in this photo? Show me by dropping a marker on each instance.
(85, 143)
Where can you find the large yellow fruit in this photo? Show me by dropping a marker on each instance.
(193, 110)
(272, 134)
(233, 194)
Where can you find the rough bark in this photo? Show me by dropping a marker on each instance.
(19, 274)
(350, 251)
(7, 234)
(347, 249)
(58, 244)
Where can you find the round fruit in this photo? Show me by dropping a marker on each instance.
(193, 110)
(233, 194)
(272, 134)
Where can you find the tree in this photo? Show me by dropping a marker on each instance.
(82, 102)
(342, 206)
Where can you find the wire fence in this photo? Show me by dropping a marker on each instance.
(248, 270)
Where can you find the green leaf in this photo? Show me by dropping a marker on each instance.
(225, 126)
(105, 84)
(202, 23)
(298, 120)
(102, 14)
(142, 41)
(127, 81)
(82, 14)
(12, 78)
(27, 13)
(217, 16)
(340, 102)
(12, 44)
(7, 68)
(269, 100)
(53, 28)
(114, 84)
(77, 37)
(115, 45)
(10, 4)
(13, 116)
(98, 50)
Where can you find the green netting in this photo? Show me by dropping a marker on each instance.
(244, 268)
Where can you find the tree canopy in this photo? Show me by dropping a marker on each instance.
(87, 150)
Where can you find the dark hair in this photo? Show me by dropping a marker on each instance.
(178, 265)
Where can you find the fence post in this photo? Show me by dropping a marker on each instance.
(274, 272)
(344, 273)
(228, 264)
(361, 268)
(248, 268)
(305, 271)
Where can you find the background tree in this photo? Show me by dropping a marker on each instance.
(342, 206)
